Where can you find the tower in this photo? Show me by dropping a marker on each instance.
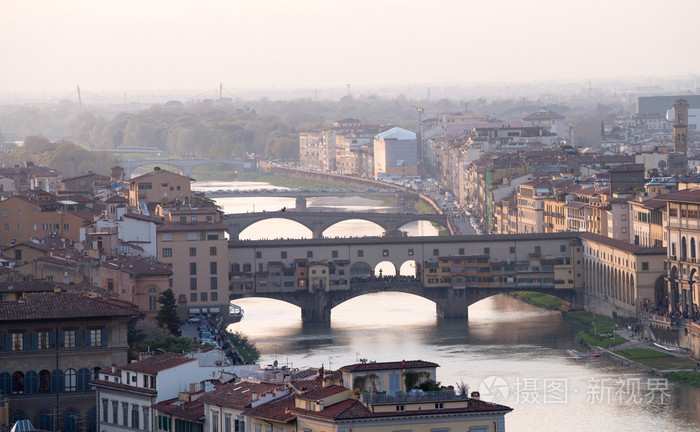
(680, 127)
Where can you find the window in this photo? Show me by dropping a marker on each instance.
(95, 337)
(562, 248)
(214, 296)
(460, 251)
(334, 254)
(212, 251)
(283, 254)
(439, 405)
(645, 266)
(212, 267)
(167, 252)
(215, 421)
(193, 251)
(193, 297)
(17, 341)
(66, 227)
(436, 252)
(152, 303)
(623, 217)
(360, 253)
(110, 285)
(213, 283)
(538, 249)
(6, 227)
(385, 252)
(19, 212)
(400, 407)
(125, 414)
(512, 249)
(166, 236)
(4, 212)
(410, 252)
(135, 416)
(105, 410)
(193, 284)
(227, 423)
(70, 380)
(309, 254)
(183, 219)
(146, 415)
(115, 411)
(203, 296)
(43, 340)
(193, 268)
(192, 235)
(69, 339)
(487, 251)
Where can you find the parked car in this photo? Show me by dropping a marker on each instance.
(196, 319)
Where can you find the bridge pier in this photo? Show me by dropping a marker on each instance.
(453, 304)
(301, 203)
(316, 308)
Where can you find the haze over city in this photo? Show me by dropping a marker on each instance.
(171, 45)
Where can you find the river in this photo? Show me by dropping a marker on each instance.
(511, 352)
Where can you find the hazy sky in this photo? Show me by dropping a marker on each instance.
(172, 44)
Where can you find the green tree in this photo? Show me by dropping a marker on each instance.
(167, 315)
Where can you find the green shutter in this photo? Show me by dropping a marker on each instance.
(105, 338)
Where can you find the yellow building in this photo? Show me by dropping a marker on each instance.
(197, 252)
(159, 185)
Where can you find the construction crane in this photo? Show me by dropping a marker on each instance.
(419, 140)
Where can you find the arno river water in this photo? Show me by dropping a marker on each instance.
(511, 352)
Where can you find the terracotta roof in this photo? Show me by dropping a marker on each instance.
(405, 364)
(115, 199)
(143, 217)
(33, 286)
(622, 245)
(190, 410)
(63, 305)
(322, 392)
(685, 195)
(239, 394)
(345, 410)
(307, 385)
(188, 210)
(158, 363)
(278, 410)
(123, 386)
(88, 174)
(473, 405)
(198, 226)
(149, 174)
(139, 266)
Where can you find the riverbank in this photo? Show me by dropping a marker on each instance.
(538, 299)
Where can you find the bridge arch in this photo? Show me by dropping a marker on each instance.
(275, 228)
(353, 225)
(385, 269)
(410, 268)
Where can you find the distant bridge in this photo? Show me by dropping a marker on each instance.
(186, 165)
(318, 222)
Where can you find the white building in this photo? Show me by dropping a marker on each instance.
(395, 153)
(126, 393)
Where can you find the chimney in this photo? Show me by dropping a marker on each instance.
(476, 395)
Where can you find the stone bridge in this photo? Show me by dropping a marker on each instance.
(318, 222)
(186, 165)
(449, 303)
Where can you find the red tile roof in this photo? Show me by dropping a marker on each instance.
(189, 410)
(63, 305)
(139, 266)
(322, 392)
(345, 410)
(622, 245)
(373, 366)
(278, 410)
(101, 383)
(157, 363)
(239, 394)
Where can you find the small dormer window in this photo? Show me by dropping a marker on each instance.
(400, 407)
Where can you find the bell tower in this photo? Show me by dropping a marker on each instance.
(680, 127)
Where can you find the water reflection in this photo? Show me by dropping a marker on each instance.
(503, 337)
